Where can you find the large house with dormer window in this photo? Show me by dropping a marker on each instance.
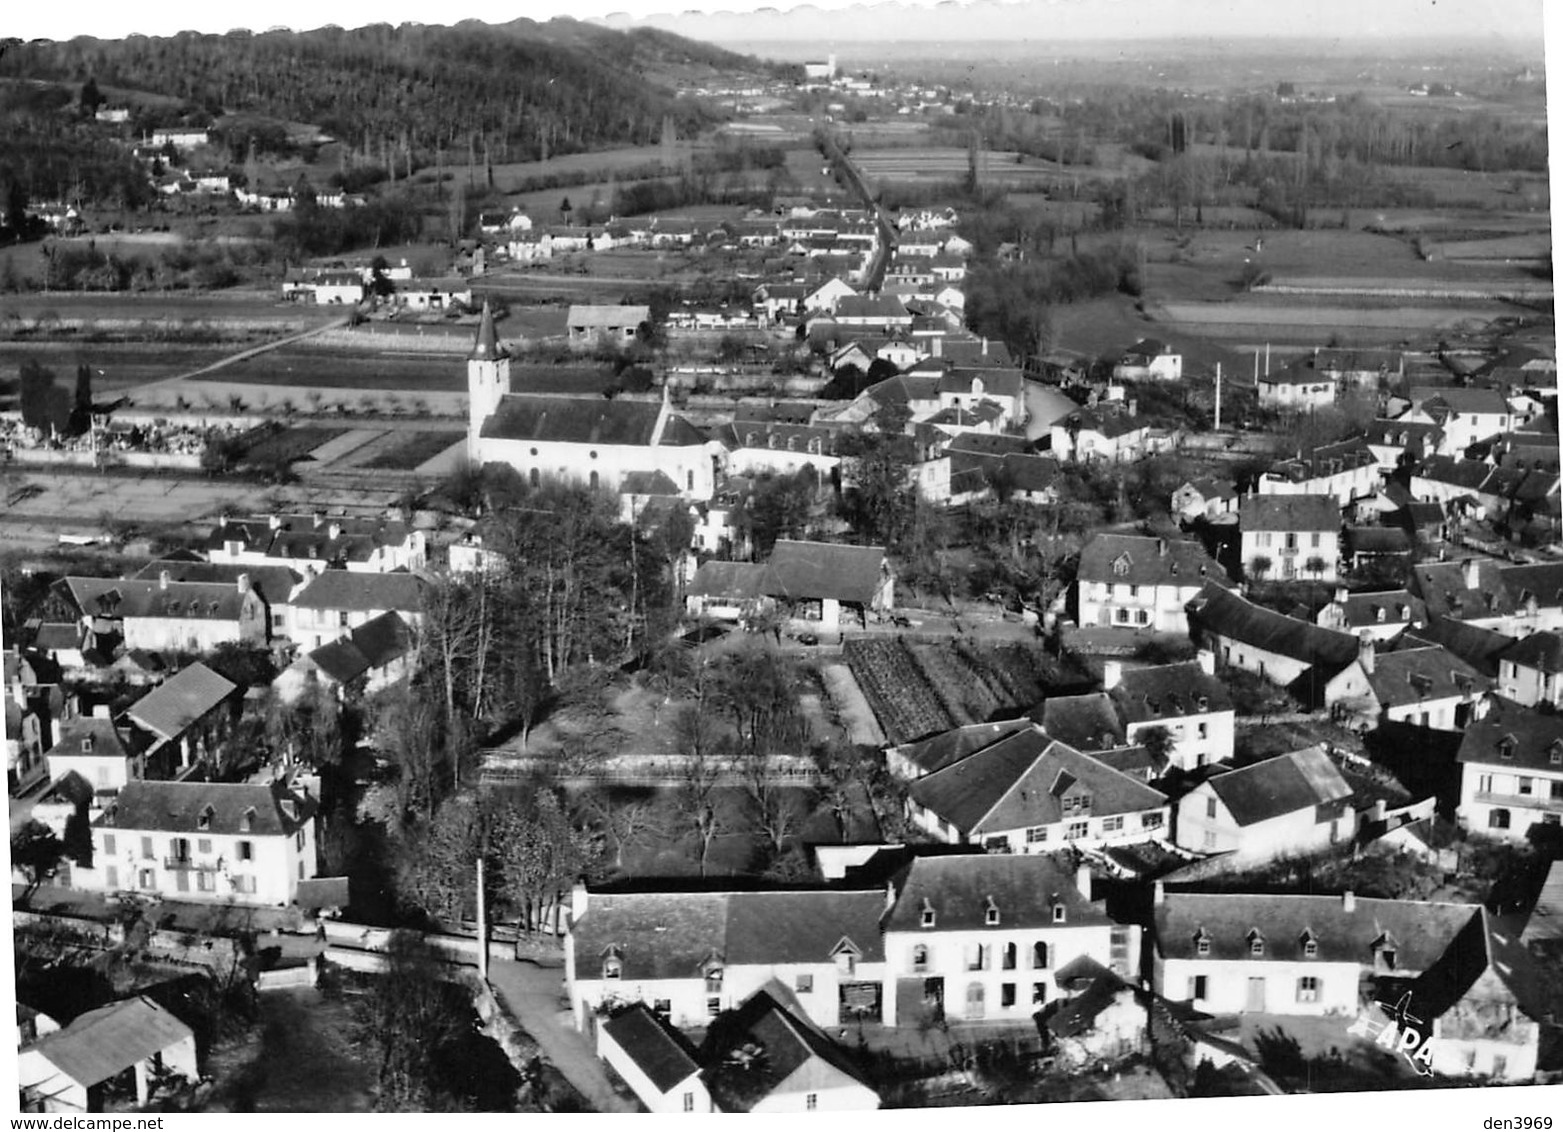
(1245, 953)
(244, 843)
(1137, 582)
(1511, 772)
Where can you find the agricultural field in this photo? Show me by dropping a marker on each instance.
(920, 689)
(341, 369)
(944, 165)
(407, 451)
(116, 366)
(167, 316)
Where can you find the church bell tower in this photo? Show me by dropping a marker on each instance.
(488, 380)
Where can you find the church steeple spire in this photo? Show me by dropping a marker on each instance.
(486, 348)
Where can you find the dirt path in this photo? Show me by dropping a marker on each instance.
(862, 728)
(301, 1061)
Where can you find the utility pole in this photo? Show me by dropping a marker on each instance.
(1218, 396)
(482, 911)
(1267, 359)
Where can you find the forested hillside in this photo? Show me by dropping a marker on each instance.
(515, 92)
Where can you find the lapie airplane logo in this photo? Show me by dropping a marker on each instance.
(1396, 1029)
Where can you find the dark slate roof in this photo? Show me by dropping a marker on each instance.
(1282, 785)
(1546, 917)
(1541, 580)
(803, 927)
(273, 583)
(1396, 607)
(69, 789)
(374, 644)
(1534, 740)
(139, 597)
(1023, 886)
(658, 1050)
(322, 892)
(951, 746)
(359, 591)
(986, 444)
(1146, 348)
(788, 1040)
(780, 436)
(176, 807)
(1327, 459)
(872, 306)
(579, 420)
(57, 635)
(106, 742)
(1087, 723)
(826, 570)
(1107, 420)
(658, 935)
(1021, 780)
(1078, 1015)
(1471, 991)
(103, 1043)
(1478, 647)
(182, 700)
(1221, 611)
(1001, 382)
(1418, 931)
(1377, 540)
(1462, 400)
(1169, 691)
(1289, 513)
(743, 581)
(1410, 675)
(1442, 586)
(1150, 561)
(1542, 651)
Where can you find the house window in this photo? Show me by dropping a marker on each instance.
(713, 1006)
(1210, 839)
(1035, 834)
(1313, 540)
(1498, 819)
(205, 882)
(245, 850)
(1256, 944)
(1210, 807)
(979, 957)
(804, 984)
(1007, 994)
(1038, 994)
(1009, 957)
(1077, 830)
(1201, 944)
(1484, 784)
(1308, 989)
(146, 848)
(111, 876)
(714, 980)
(1134, 591)
(662, 1006)
(1526, 784)
(928, 916)
(108, 844)
(689, 1102)
(920, 957)
(1060, 913)
(612, 967)
(1039, 955)
(811, 1101)
(846, 962)
(1141, 617)
(1112, 824)
(1150, 821)
(203, 845)
(991, 915)
(1198, 986)
(1204, 728)
(1500, 1065)
(1310, 948)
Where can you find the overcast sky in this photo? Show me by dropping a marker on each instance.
(1478, 19)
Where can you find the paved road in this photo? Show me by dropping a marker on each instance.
(535, 995)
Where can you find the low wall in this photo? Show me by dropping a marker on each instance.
(306, 976)
(106, 458)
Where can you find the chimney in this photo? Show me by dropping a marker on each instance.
(1112, 674)
(1379, 810)
(1471, 573)
(1341, 594)
(1365, 652)
(335, 529)
(1159, 894)
(1348, 901)
(319, 518)
(1161, 547)
(889, 895)
(244, 583)
(1083, 879)
(577, 902)
(1134, 407)
(984, 347)
(162, 579)
(274, 522)
(1207, 661)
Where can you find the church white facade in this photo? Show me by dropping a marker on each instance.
(592, 440)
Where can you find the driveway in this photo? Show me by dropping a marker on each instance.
(535, 996)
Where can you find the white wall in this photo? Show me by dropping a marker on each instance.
(1197, 739)
(278, 863)
(1485, 787)
(1162, 605)
(613, 462)
(1226, 984)
(655, 1100)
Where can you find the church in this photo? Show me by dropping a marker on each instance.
(594, 440)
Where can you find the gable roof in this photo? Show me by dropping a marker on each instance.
(105, 740)
(763, 1048)
(105, 1042)
(1409, 675)
(1383, 607)
(255, 809)
(1021, 780)
(816, 570)
(1542, 651)
(1289, 513)
(147, 597)
(1478, 647)
(1443, 587)
(1281, 785)
(180, 701)
(374, 644)
(1148, 561)
(578, 420)
(1545, 923)
(1224, 613)
(744, 581)
(1533, 741)
(658, 1050)
(273, 583)
(597, 316)
(362, 592)
(1168, 691)
(1024, 887)
(951, 746)
(1417, 931)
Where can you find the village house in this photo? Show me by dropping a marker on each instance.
(1380, 614)
(1409, 682)
(1240, 953)
(378, 653)
(1466, 415)
(24, 740)
(982, 937)
(1291, 653)
(1287, 806)
(1368, 369)
(874, 312)
(335, 602)
(246, 843)
(1204, 498)
(1491, 594)
(310, 543)
(191, 714)
(771, 301)
(1184, 700)
(767, 1056)
(134, 1041)
(433, 294)
(831, 585)
(1028, 793)
(691, 955)
(1511, 772)
(591, 327)
(275, 584)
(1531, 671)
(93, 747)
(1347, 470)
(1106, 433)
(756, 447)
(1297, 388)
(968, 470)
(1138, 582)
(1149, 359)
(1290, 537)
(162, 615)
(654, 1059)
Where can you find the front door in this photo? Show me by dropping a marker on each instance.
(974, 1001)
(1256, 996)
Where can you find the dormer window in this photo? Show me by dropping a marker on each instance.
(1555, 753)
(1060, 913)
(713, 975)
(991, 915)
(613, 964)
(1379, 613)
(247, 822)
(928, 915)
(86, 743)
(1256, 944)
(1310, 946)
(1506, 747)
(1121, 564)
(1201, 942)
(204, 819)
